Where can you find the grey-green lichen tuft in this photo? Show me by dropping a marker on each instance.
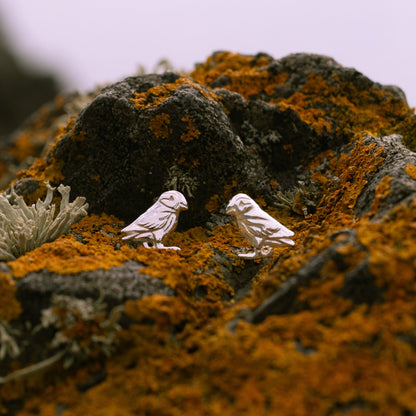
(23, 228)
(8, 344)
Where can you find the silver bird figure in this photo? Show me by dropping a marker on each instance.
(154, 225)
(259, 228)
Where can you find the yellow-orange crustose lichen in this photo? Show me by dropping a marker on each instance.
(23, 148)
(68, 256)
(243, 72)
(339, 108)
(352, 170)
(204, 368)
(159, 125)
(192, 132)
(411, 170)
(48, 169)
(9, 307)
(382, 191)
(155, 96)
(345, 110)
(178, 356)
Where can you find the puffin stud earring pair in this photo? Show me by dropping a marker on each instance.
(259, 228)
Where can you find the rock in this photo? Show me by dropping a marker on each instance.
(359, 284)
(173, 135)
(402, 186)
(116, 285)
(323, 149)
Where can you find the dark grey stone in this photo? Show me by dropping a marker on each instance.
(117, 284)
(403, 187)
(359, 285)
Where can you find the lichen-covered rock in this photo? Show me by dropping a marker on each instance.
(161, 132)
(393, 174)
(322, 327)
(117, 285)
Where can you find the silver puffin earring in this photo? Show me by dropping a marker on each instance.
(154, 225)
(258, 227)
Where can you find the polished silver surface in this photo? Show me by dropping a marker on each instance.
(153, 226)
(258, 227)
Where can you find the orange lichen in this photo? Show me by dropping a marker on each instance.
(157, 95)
(222, 62)
(381, 193)
(192, 132)
(288, 148)
(38, 133)
(9, 307)
(345, 110)
(392, 249)
(159, 125)
(23, 148)
(335, 353)
(48, 169)
(68, 256)
(243, 72)
(80, 136)
(352, 170)
(410, 170)
(164, 311)
(42, 170)
(339, 108)
(212, 205)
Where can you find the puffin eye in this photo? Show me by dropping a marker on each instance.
(243, 205)
(171, 197)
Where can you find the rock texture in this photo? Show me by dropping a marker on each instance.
(319, 328)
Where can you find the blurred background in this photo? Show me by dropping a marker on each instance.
(52, 45)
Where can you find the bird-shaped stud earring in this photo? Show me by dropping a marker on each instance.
(261, 230)
(153, 226)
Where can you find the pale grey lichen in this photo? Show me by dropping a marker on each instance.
(82, 328)
(8, 343)
(68, 313)
(23, 228)
(180, 180)
(298, 199)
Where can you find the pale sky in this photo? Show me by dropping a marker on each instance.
(92, 42)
